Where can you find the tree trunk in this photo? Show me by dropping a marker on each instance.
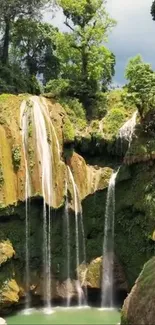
(5, 51)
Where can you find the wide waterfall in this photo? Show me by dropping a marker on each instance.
(78, 214)
(42, 126)
(24, 128)
(108, 246)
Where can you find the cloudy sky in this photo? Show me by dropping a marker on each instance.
(134, 33)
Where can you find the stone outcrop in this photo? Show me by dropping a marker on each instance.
(91, 275)
(6, 251)
(139, 305)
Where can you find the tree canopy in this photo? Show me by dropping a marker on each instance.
(84, 59)
(141, 84)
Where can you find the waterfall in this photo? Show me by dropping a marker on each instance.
(108, 246)
(78, 213)
(67, 223)
(51, 124)
(42, 124)
(24, 128)
(45, 158)
(126, 131)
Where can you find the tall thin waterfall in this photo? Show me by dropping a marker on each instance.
(24, 128)
(77, 211)
(45, 158)
(68, 246)
(108, 246)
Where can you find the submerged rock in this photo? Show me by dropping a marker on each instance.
(139, 305)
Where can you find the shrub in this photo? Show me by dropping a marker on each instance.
(57, 87)
(16, 157)
(113, 121)
(68, 131)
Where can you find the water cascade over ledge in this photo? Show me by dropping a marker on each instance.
(108, 246)
(78, 214)
(24, 127)
(43, 130)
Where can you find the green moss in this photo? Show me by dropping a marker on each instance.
(68, 131)
(31, 161)
(16, 157)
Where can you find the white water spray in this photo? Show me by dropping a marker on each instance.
(126, 131)
(108, 246)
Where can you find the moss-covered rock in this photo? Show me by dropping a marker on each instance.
(90, 275)
(6, 251)
(9, 293)
(139, 305)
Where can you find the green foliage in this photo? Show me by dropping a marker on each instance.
(15, 80)
(68, 131)
(98, 107)
(33, 44)
(83, 58)
(113, 121)
(57, 87)
(16, 157)
(141, 84)
(12, 11)
(75, 111)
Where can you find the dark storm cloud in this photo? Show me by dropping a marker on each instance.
(133, 34)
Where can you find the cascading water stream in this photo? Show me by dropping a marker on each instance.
(45, 158)
(24, 128)
(51, 124)
(77, 211)
(67, 226)
(108, 246)
(127, 130)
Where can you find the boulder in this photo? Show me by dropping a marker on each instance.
(6, 251)
(91, 274)
(139, 305)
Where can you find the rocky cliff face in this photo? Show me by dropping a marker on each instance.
(139, 306)
(91, 160)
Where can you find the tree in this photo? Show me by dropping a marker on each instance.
(11, 10)
(153, 10)
(83, 56)
(141, 84)
(34, 46)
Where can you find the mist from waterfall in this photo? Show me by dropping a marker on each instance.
(24, 128)
(108, 246)
(78, 214)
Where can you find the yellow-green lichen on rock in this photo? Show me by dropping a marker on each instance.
(6, 251)
(9, 293)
